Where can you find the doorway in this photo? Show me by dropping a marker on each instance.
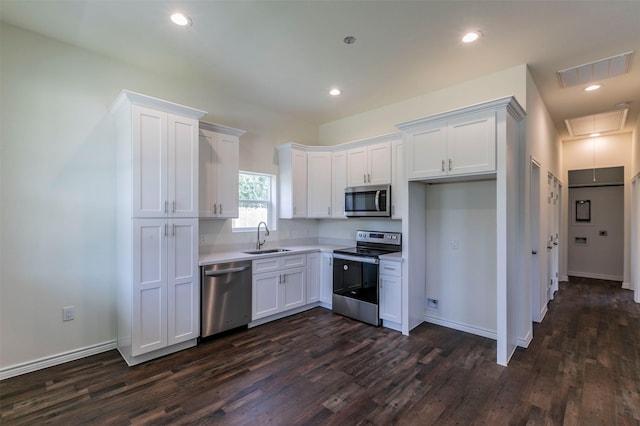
(538, 305)
(596, 223)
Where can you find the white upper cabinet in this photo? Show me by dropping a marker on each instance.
(219, 167)
(293, 182)
(369, 165)
(165, 164)
(318, 184)
(398, 179)
(338, 183)
(458, 145)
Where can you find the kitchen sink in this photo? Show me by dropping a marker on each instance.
(266, 251)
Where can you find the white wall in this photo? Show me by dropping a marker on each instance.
(382, 121)
(603, 151)
(57, 180)
(460, 254)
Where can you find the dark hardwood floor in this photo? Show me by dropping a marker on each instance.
(583, 367)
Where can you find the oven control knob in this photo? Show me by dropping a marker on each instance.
(345, 267)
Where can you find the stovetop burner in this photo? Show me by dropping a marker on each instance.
(374, 244)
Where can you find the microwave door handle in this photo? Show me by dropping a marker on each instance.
(377, 201)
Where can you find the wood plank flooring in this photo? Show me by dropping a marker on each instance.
(583, 367)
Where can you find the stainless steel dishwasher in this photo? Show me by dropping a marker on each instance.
(225, 297)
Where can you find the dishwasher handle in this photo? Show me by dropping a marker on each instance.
(225, 271)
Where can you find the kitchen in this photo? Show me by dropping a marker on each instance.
(63, 211)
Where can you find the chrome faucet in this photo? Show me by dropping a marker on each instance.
(266, 234)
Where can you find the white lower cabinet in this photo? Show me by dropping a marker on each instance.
(326, 279)
(165, 288)
(313, 277)
(279, 284)
(391, 293)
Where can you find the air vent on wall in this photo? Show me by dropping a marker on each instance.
(596, 70)
(598, 123)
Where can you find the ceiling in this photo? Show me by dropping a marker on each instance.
(287, 54)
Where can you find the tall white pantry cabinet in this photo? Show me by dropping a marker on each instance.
(157, 227)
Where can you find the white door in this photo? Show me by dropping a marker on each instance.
(266, 294)
(183, 281)
(338, 183)
(299, 182)
(427, 151)
(471, 143)
(149, 310)
(549, 238)
(313, 277)
(357, 166)
(226, 184)
(149, 162)
(379, 164)
(318, 184)
(293, 288)
(538, 301)
(182, 158)
(326, 279)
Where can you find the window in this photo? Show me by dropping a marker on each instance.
(256, 201)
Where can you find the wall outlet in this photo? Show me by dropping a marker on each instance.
(68, 313)
(432, 303)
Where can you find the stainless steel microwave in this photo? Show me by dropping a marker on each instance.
(367, 201)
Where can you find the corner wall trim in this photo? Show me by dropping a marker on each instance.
(50, 361)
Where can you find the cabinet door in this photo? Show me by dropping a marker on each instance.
(313, 277)
(207, 161)
(318, 184)
(183, 281)
(426, 152)
(379, 164)
(357, 167)
(149, 310)
(471, 143)
(182, 160)
(391, 298)
(149, 162)
(338, 183)
(227, 162)
(299, 182)
(398, 181)
(293, 284)
(326, 278)
(266, 294)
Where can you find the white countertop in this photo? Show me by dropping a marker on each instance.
(233, 256)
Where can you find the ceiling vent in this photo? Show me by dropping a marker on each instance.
(596, 71)
(597, 123)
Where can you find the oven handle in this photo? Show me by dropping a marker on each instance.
(371, 260)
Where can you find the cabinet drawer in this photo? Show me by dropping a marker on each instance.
(276, 263)
(389, 267)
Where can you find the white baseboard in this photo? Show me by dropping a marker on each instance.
(50, 361)
(596, 276)
(627, 286)
(524, 342)
(564, 278)
(462, 327)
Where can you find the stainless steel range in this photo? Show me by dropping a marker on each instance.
(355, 275)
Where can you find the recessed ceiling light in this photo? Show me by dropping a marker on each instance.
(472, 36)
(592, 87)
(335, 92)
(181, 19)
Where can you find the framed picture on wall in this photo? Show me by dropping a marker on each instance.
(583, 210)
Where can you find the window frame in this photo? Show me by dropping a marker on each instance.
(272, 209)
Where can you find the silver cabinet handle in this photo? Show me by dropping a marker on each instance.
(368, 177)
(220, 208)
(174, 206)
(173, 231)
(450, 164)
(215, 208)
(213, 273)
(329, 210)
(364, 176)
(443, 165)
(165, 229)
(166, 206)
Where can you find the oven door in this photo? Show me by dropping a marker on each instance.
(356, 277)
